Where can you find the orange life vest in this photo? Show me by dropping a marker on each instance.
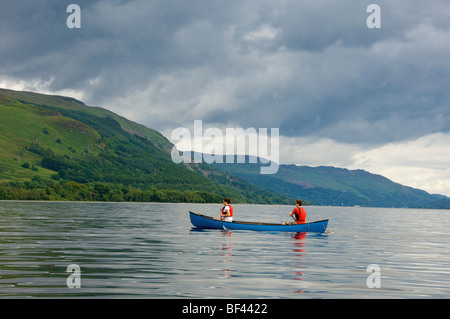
(300, 215)
(231, 210)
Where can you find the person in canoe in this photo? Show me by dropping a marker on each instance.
(299, 213)
(226, 211)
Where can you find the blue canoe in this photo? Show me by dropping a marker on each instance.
(203, 221)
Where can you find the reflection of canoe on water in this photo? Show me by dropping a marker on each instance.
(202, 221)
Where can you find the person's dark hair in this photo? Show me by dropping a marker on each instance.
(299, 202)
(227, 200)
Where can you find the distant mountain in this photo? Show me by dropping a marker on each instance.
(336, 186)
(58, 148)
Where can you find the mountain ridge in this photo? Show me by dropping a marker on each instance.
(327, 185)
(58, 148)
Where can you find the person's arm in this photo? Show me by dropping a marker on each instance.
(293, 212)
(227, 212)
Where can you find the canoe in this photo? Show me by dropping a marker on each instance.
(203, 221)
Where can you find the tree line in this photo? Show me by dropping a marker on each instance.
(74, 191)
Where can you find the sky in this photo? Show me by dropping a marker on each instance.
(340, 93)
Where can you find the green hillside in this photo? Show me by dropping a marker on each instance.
(335, 186)
(57, 148)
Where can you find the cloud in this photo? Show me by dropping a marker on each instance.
(264, 32)
(310, 68)
(317, 152)
(421, 163)
(315, 63)
(38, 85)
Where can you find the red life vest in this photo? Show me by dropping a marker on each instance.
(300, 215)
(231, 210)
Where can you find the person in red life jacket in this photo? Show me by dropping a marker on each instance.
(299, 213)
(226, 211)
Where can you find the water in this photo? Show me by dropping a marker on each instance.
(130, 250)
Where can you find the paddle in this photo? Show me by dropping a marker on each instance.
(221, 222)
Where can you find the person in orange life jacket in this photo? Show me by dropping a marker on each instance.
(299, 213)
(226, 211)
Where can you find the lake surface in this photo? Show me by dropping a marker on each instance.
(136, 250)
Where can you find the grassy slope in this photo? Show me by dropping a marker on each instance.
(22, 124)
(91, 144)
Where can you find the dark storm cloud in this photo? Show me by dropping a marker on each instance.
(307, 67)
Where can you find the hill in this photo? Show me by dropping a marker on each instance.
(336, 186)
(58, 148)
